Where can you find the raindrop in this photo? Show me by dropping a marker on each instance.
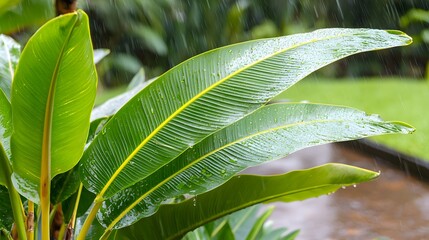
(205, 172)
(180, 185)
(232, 160)
(354, 185)
(343, 187)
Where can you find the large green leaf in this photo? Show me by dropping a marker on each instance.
(85, 201)
(9, 56)
(269, 133)
(5, 133)
(95, 231)
(258, 227)
(113, 105)
(246, 224)
(25, 13)
(206, 93)
(64, 185)
(52, 96)
(174, 220)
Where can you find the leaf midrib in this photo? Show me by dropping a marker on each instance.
(192, 163)
(49, 110)
(100, 196)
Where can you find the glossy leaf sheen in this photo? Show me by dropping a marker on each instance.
(52, 95)
(64, 185)
(9, 56)
(5, 133)
(174, 220)
(208, 92)
(269, 133)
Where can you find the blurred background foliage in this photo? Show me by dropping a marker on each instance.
(158, 34)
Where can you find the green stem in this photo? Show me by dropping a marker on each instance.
(18, 215)
(15, 199)
(52, 214)
(62, 231)
(89, 220)
(71, 225)
(76, 206)
(106, 235)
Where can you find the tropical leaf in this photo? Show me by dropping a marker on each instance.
(269, 133)
(243, 221)
(95, 231)
(257, 228)
(52, 97)
(25, 13)
(206, 93)
(85, 202)
(151, 38)
(246, 224)
(113, 105)
(224, 232)
(99, 54)
(9, 56)
(5, 133)
(64, 185)
(138, 79)
(174, 220)
(197, 234)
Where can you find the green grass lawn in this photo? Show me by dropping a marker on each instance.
(397, 99)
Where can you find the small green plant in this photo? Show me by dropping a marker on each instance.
(243, 224)
(114, 172)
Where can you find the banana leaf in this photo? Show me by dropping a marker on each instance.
(206, 93)
(5, 133)
(174, 220)
(269, 133)
(53, 94)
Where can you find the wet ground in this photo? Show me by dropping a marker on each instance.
(394, 206)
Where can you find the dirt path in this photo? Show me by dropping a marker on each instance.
(395, 206)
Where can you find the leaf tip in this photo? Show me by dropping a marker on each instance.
(408, 39)
(403, 127)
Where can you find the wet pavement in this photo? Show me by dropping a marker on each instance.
(394, 206)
